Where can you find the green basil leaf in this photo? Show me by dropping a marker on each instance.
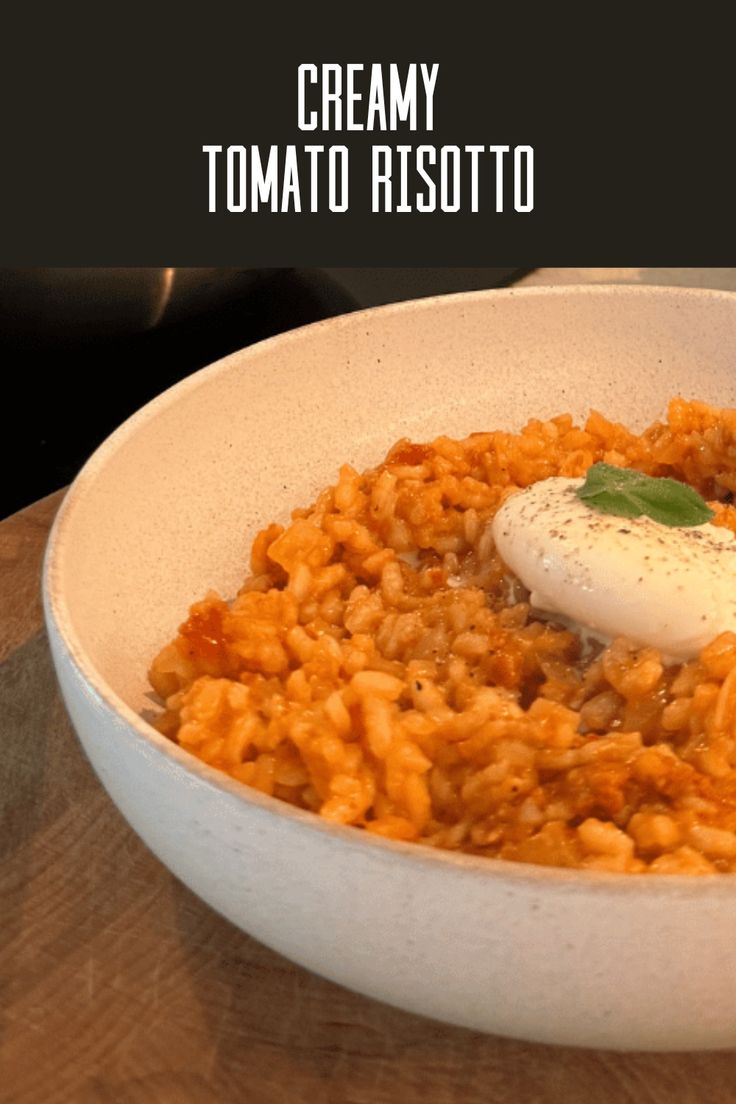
(624, 492)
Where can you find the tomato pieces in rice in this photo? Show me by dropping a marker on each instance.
(380, 668)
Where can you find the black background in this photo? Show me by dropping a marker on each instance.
(630, 125)
(75, 380)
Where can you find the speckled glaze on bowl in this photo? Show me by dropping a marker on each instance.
(165, 510)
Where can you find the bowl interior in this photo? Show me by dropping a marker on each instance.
(167, 508)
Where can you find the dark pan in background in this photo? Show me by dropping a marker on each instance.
(82, 349)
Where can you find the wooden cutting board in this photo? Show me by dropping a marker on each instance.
(118, 986)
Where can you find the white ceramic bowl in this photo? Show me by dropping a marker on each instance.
(166, 509)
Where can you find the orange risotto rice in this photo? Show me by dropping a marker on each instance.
(379, 668)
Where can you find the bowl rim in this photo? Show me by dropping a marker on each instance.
(60, 621)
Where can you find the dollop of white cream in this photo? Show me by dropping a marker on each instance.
(671, 588)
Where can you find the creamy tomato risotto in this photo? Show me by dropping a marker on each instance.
(532, 688)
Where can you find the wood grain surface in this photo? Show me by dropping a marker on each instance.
(118, 986)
